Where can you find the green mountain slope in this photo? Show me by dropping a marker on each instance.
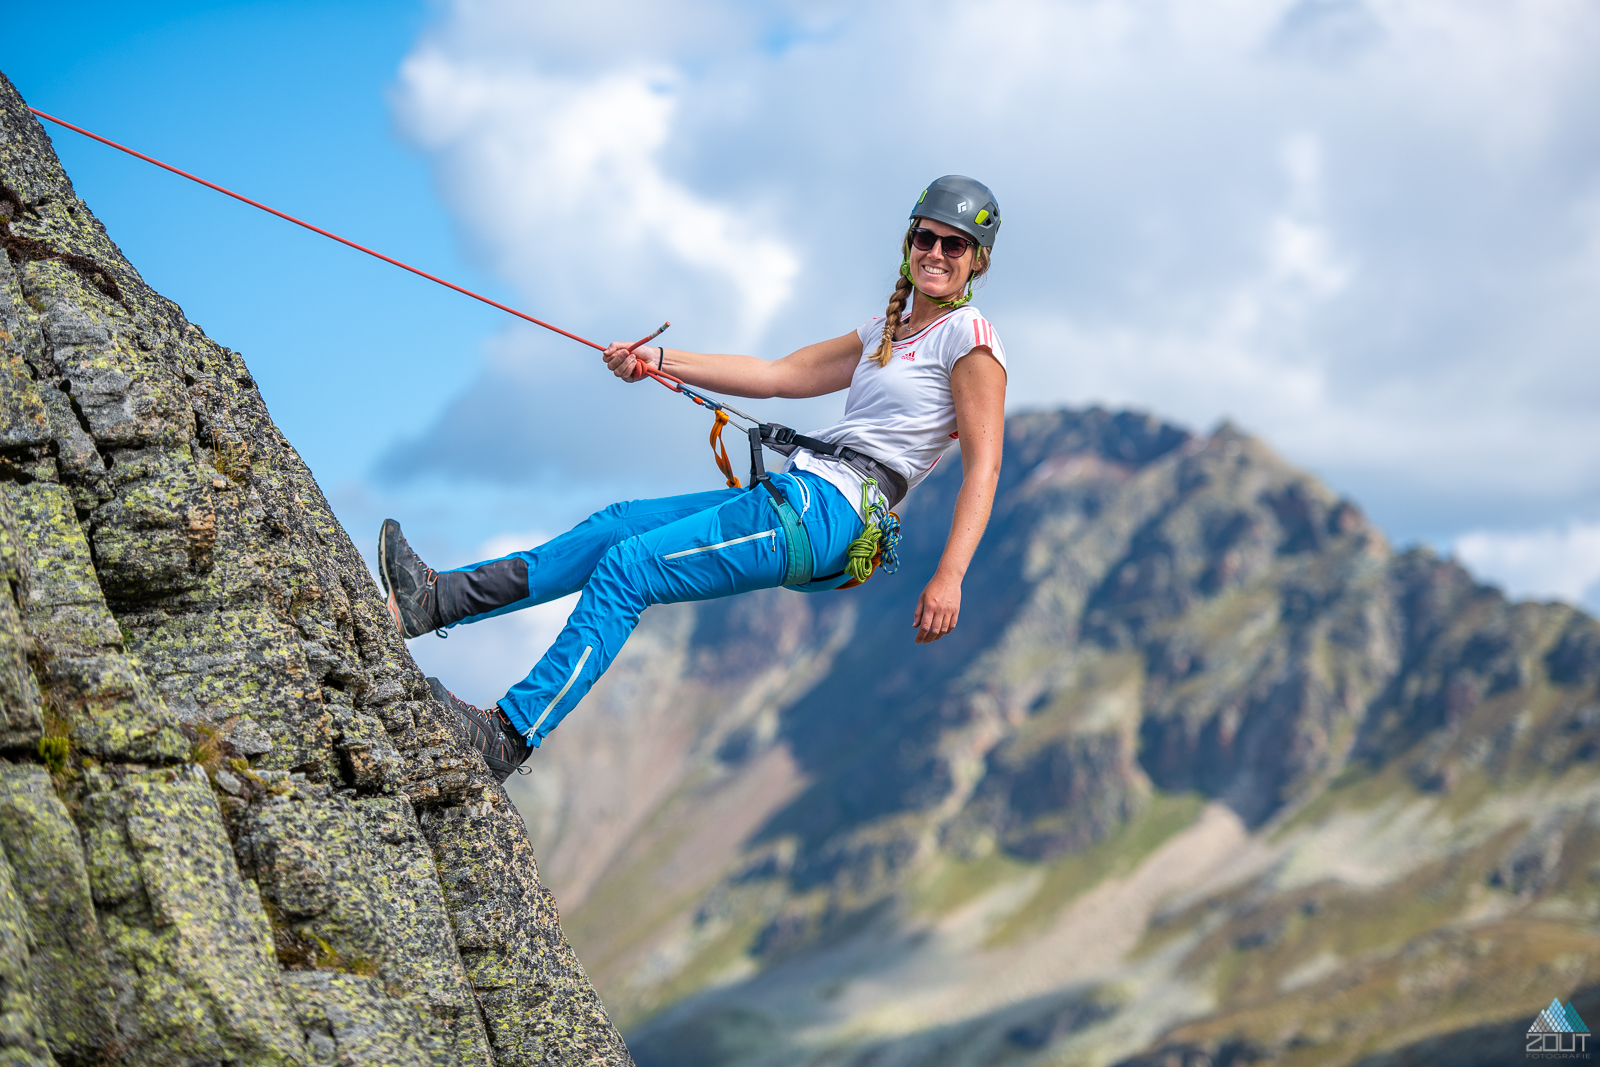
(1208, 773)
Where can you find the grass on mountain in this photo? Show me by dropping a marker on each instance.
(1071, 876)
(1326, 974)
(1510, 739)
(1444, 980)
(951, 883)
(1264, 939)
(726, 955)
(1357, 788)
(1104, 696)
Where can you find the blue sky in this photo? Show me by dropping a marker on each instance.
(285, 102)
(1368, 230)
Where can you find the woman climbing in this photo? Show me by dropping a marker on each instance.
(814, 526)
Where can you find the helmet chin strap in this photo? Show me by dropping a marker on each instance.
(953, 302)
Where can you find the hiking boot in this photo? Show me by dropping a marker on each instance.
(410, 583)
(488, 731)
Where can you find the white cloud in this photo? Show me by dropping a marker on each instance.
(1244, 349)
(1363, 228)
(1300, 248)
(560, 180)
(1561, 562)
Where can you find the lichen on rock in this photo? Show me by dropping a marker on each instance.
(234, 827)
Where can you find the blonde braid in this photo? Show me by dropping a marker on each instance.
(891, 320)
(898, 299)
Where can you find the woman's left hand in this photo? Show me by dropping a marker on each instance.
(938, 608)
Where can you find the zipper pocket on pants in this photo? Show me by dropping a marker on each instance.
(724, 544)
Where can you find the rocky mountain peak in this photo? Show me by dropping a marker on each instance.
(1208, 771)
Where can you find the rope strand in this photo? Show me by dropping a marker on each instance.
(358, 247)
(722, 410)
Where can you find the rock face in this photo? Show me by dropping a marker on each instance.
(233, 826)
(1208, 774)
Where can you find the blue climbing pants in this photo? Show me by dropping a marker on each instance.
(642, 552)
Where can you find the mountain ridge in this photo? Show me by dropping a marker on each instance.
(1175, 649)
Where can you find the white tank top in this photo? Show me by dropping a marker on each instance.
(901, 415)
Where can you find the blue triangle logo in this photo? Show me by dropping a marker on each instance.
(1558, 1018)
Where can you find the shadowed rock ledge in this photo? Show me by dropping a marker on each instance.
(233, 827)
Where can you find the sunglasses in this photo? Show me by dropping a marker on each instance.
(923, 240)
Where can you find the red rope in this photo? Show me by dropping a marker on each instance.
(665, 379)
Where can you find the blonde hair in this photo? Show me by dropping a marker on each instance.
(903, 289)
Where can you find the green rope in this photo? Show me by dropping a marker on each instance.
(880, 534)
(862, 550)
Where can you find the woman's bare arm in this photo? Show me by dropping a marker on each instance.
(978, 385)
(815, 370)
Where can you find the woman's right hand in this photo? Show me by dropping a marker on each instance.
(624, 364)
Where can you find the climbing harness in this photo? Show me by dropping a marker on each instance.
(887, 485)
(784, 440)
(879, 541)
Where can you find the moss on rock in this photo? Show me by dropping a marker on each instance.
(22, 1037)
(70, 978)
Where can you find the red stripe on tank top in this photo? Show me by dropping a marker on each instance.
(925, 329)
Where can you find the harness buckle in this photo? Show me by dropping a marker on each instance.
(782, 435)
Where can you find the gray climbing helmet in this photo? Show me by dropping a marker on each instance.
(958, 201)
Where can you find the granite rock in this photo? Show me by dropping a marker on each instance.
(22, 1038)
(234, 827)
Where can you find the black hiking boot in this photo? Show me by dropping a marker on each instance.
(410, 583)
(488, 731)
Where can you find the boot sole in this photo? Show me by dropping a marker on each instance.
(383, 575)
(383, 555)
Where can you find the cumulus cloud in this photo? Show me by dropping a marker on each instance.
(559, 179)
(1243, 346)
(1366, 229)
(1561, 563)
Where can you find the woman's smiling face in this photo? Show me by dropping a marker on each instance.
(936, 275)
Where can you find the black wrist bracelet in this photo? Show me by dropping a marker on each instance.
(661, 358)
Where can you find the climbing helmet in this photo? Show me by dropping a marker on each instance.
(959, 201)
